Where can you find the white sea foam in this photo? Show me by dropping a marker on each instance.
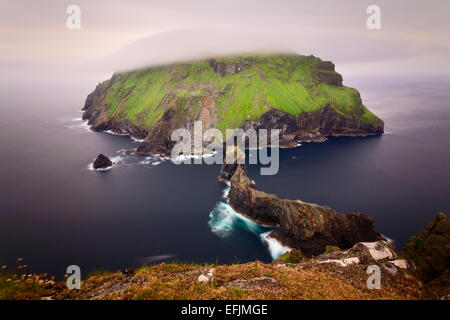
(136, 140)
(122, 151)
(115, 161)
(123, 134)
(223, 220)
(183, 157)
(153, 160)
(82, 125)
(387, 238)
(115, 133)
(276, 248)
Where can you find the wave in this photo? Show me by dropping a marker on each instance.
(115, 133)
(137, 140)
(223, 221)
(83, 125)
(276, 248)
(387, 238)
(183, 157)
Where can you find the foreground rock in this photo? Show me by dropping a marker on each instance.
(430, 253)
(315, 278)
(206, 278)
(379, 253)
(304, 226)
(362, 252)
(102, 162)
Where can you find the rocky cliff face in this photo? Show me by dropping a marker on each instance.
(181, 112)
(324, 72)
(430, 253)
(229, 68)
(314, 125)
(304, 226)
(302, 96)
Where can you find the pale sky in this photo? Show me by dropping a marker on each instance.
(122, 34)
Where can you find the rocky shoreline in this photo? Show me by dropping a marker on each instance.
(314, 126)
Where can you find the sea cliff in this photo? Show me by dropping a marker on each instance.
(302, 96)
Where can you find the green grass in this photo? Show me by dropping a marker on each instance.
(283, 82)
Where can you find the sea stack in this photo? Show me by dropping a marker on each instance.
(102, 162)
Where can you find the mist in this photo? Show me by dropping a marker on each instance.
(122, 35)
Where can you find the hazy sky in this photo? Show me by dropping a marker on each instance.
(120, 34)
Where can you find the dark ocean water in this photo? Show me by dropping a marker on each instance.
(55, 211)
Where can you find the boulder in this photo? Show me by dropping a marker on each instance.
(362, 252)
(102, 162)
(203, 279)
(208, 278)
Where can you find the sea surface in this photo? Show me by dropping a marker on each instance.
(56, 211)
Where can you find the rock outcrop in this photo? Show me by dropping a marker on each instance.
(325, 72)
(102, 162)
(228, 169)
(304, 226)
(430, 252)
(229, 68)
(314, 125)
(379, 253)
(181, 112)
(362, 252)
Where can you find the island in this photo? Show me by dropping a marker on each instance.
(302, 96)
